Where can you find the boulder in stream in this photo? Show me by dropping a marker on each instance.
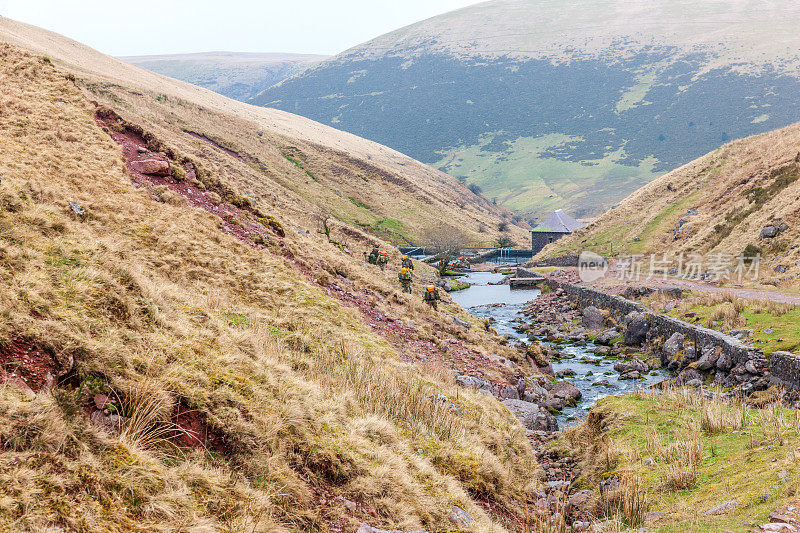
(605, 337)
(567, 391)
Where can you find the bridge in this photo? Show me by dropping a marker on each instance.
(476, 254)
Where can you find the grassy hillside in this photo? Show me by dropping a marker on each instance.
(536, 105)
(359, 182)
(264, 376)
(236, 75)
(718, 204)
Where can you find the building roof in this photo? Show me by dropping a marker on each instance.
(558, 222)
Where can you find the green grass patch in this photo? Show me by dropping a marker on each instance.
(300, 166)
(756, 465)
(772, 330)
(458, 285)
(524, 178)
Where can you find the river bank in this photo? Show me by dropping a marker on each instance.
(525, 316)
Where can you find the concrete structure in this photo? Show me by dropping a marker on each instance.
(553, 228)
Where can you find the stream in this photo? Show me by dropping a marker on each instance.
(594, 375)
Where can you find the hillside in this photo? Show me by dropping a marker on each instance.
(719, 204)
(358, 182)
(233, 74)
(574, 105)
(184, 351)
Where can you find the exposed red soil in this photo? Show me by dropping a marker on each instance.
(240, 223)
(195, 432)
(336, 511)
(26, 364)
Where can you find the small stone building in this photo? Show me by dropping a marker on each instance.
(553, 228)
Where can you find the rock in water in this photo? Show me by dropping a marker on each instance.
(607, 336)
(633, 365)
(567, 391)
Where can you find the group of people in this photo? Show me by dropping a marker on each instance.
(381, 258)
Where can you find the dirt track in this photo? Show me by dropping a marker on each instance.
(613, 284)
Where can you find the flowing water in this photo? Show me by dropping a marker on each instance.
(594, 375)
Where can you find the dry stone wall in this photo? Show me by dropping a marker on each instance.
(781, 367)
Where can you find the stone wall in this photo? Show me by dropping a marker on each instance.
(560, 261)
(784, 367)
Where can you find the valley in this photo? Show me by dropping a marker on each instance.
(210, 322)
(528, 101)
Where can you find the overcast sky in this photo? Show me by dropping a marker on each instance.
(177, 26)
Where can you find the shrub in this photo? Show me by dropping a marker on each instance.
(750, 251)
(177, 172)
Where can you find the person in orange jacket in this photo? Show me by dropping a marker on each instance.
(405, 279)
(431, 296)
(383, 259)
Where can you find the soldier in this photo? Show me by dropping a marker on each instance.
(405, 279)
(383, 259)
(431, 296)
(408, 263)
(372, 258)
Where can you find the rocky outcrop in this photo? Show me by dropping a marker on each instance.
(636, 329)
(592, 318)
(152, 167)
(472, 382)
(532, 415)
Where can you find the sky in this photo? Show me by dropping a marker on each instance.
(145, 27)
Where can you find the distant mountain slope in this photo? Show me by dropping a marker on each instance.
(358, 181)
(236, 75)
(572, 104)
(719, 204)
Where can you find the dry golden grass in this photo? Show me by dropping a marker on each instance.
(628, 502)
(345, 172)
(156, 306)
